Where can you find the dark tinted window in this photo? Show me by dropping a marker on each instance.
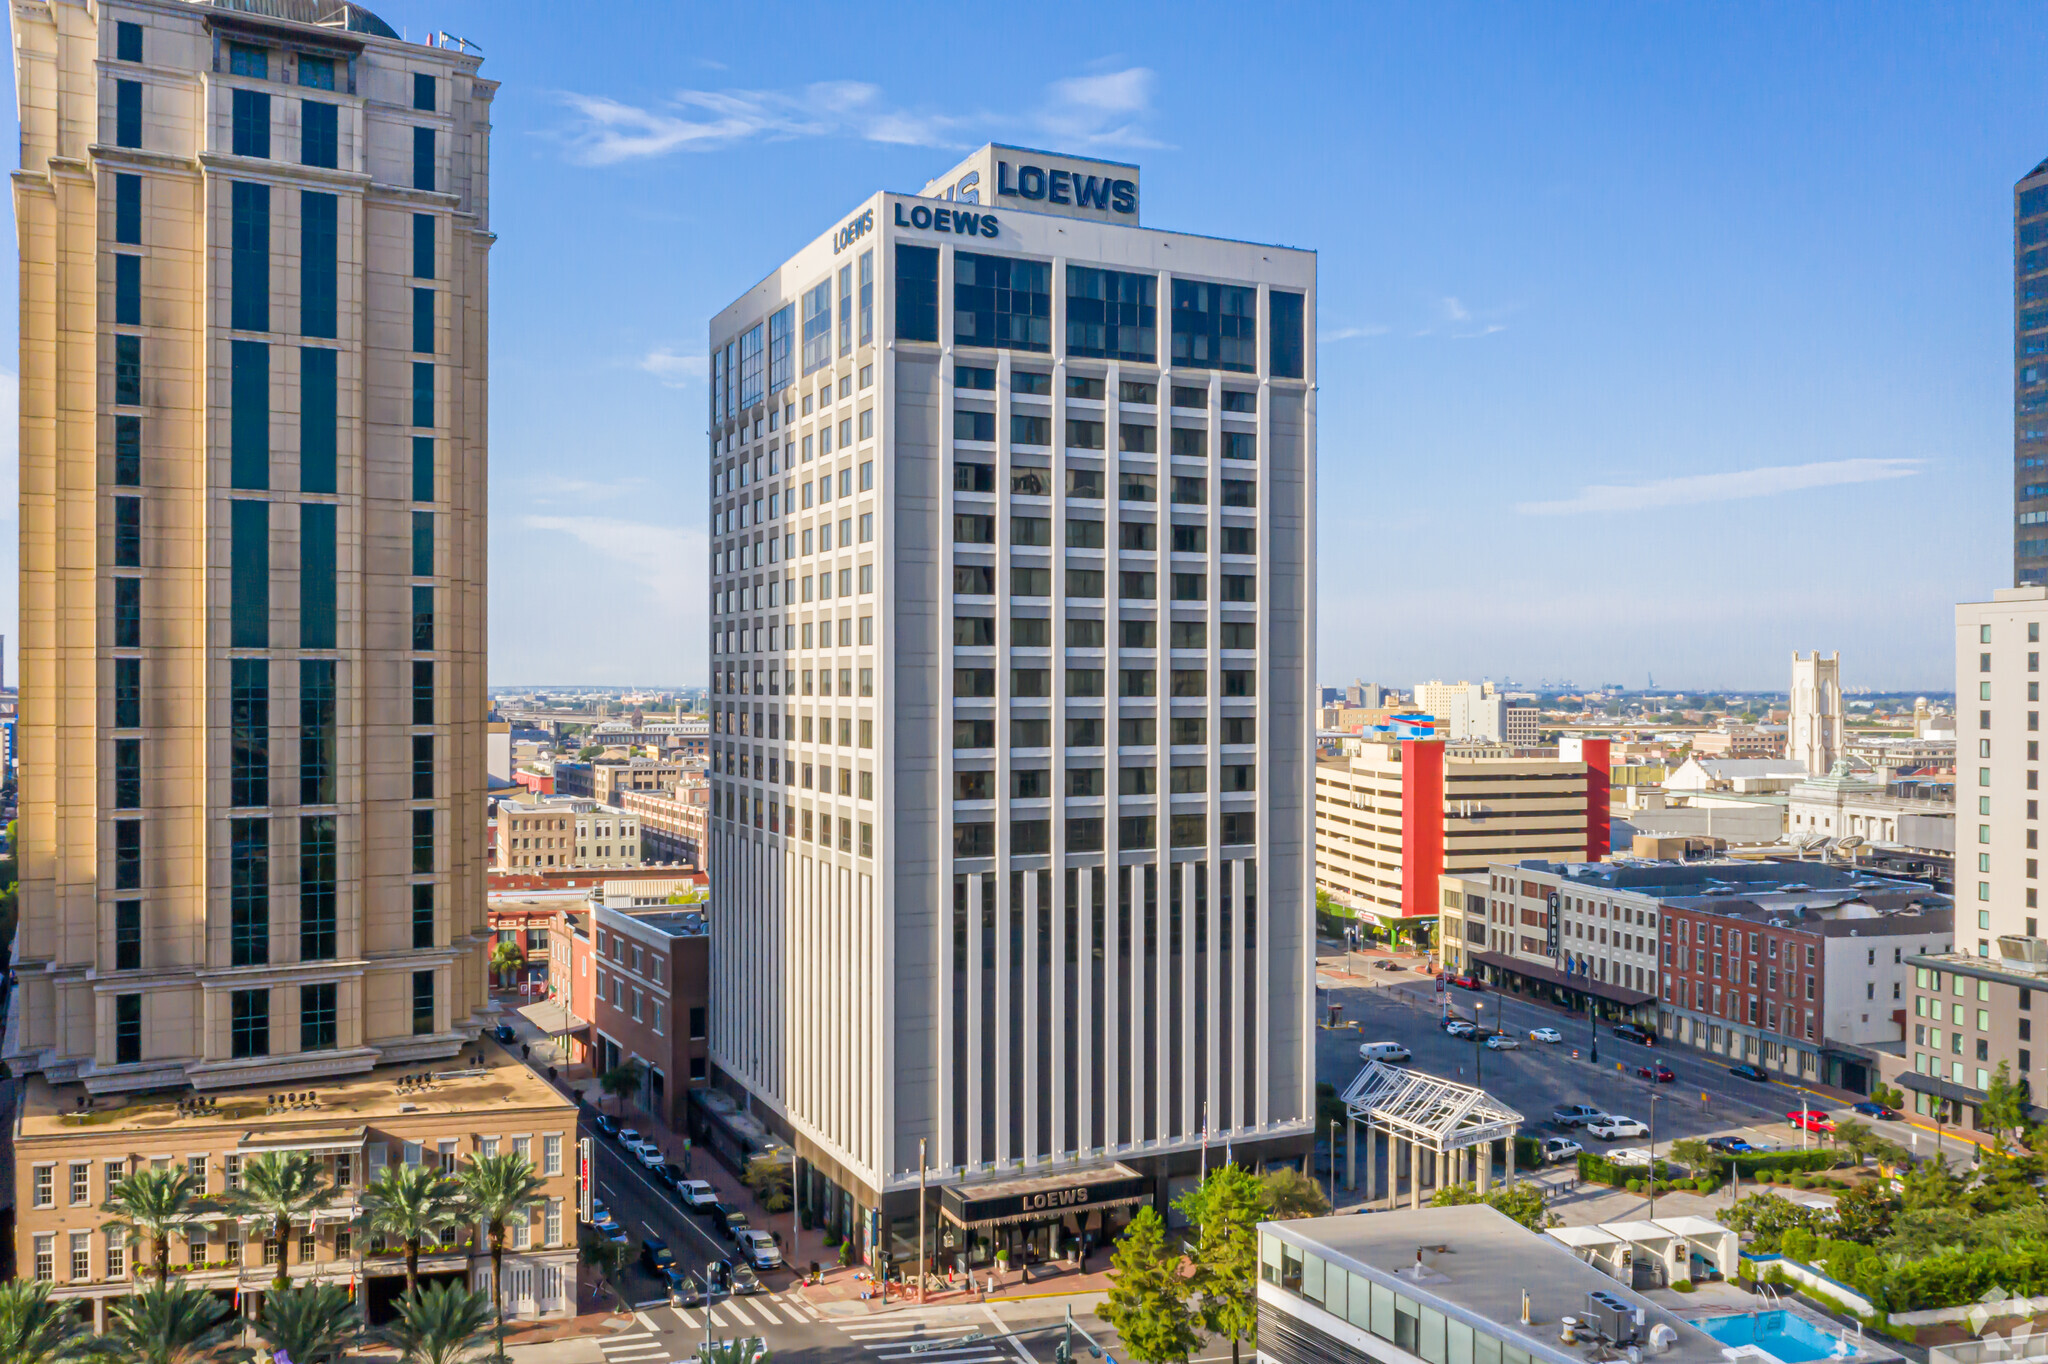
(251, 135)
(319, 133)
(319, 420)
(1001, 301)
(1287, 346)
(1112, 314)
(917, 293)
(1215, 326)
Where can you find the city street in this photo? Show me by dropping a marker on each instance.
(1705, 1100)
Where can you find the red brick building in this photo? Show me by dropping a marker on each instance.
(649, 975)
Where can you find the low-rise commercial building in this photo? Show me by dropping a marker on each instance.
(650, 999)
(672, 822)
(1465, 710)
(1918, 815)
(1392, 818)
(613, 779)
(66, 1157)
(1741, 741)
(565, 833)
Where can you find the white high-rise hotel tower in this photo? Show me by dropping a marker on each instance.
(1013, 527)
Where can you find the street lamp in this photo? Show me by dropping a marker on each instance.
(1333, 1165)
(1478, 1046)
(1654, 1097)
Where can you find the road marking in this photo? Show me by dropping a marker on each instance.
(929, 1341)
(766, 1315)
(734, 1308)
(963, 1356)
(1015, 1344)
(688, 1320)
(862, 1330)
(651, 1350)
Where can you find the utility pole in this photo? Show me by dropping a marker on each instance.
(1654, 1096)
(923, 1270)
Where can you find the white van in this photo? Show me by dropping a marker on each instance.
(1393, 1053)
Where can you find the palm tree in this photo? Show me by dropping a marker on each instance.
(414, 1203)
(495, 1189)
(444, 1324)
(33, 1330)
(282, 1187)
(311, 1324)
(171, 1324)
(621, 1080)
(151, 1204)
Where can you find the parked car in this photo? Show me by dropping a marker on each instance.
(1729, 1146)
(1747, 1072)
(1613, 1127)
(730, 1277)
(1556, 1149)
(1629, 1155)
(759, 1248)
(1458, 1027)
(1657, 1072)
(1500, 1041)
(503, 1032)
(682, 1287)
(650, 1155)
(1545, 1035)
(696, 1194)
(724, 1219)
(1870, 1109)
(1468, 982)
(669, 1173)
(606, 1125)
(1384, 965)
(1393, 1053)
(628, 1136)
(607, 1226)
(1629, 1032)
(654, 1253)
(1575, 1115)
(1811, 1119)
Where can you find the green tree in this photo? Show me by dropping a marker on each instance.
(2004, 1110)
(1766, 1217)
(281, 1187)
(414, 1204)
(441, 1324)
(747, 1350)
(1894, 1099)
(1524, 1202)
(770, 1180)
(621, 1081)
(1858, 1139)
(506, 958)
(1864, 1214)
(34, 1330)
(586, 754)
(496, 1190)
(1695, 1155)
(1227, 1208)
(1290, 1194)
(151, 1204)
(1148, 1299)
(312, 1323)
(172, 1324)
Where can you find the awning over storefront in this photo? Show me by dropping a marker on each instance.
(552, 1019)
(1550, 975)
(1042, 1199)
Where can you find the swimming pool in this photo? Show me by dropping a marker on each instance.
(1778, 1334)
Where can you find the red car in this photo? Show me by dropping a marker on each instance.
(1812, 1119)
(1467, 983)
(1660, 1073)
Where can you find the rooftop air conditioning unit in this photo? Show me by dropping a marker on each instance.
(1613, 1317)
(2022, 953)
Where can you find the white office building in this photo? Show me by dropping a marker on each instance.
(1013, 526)
(1465, 710)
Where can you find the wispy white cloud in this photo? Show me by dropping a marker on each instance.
(1456, 311)
(1109, 108)
(1353, 333)
(1458, 321)
(674, 371)
(557, 488)
(1726, 487)
(668, 561)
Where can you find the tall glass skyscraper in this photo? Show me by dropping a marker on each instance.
(2030, 378)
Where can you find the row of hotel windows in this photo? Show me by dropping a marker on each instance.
(249, 1017)
(1036, 683)
(979, 580)
(763, 462)
(1134, 392)
(1005, 302)
(1729, 1005)
(1085, 833)
(1088, 533)
(1035, 632)
(732, 805)
(769, 506)
(341, 1167)
(1132, 779)
(250, 119)
(1090, 484)
(1132, 731)
(1184, 442)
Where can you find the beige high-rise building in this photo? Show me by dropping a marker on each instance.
(254, 243)
(1815, 736)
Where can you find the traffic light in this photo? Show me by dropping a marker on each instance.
(1061, 1354)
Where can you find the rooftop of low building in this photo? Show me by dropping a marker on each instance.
(485, 1076)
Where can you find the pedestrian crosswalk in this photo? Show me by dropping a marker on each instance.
(765, 1310)
(954, 1344)
(633, 1347)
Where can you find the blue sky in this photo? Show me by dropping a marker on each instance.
(1655, 339)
